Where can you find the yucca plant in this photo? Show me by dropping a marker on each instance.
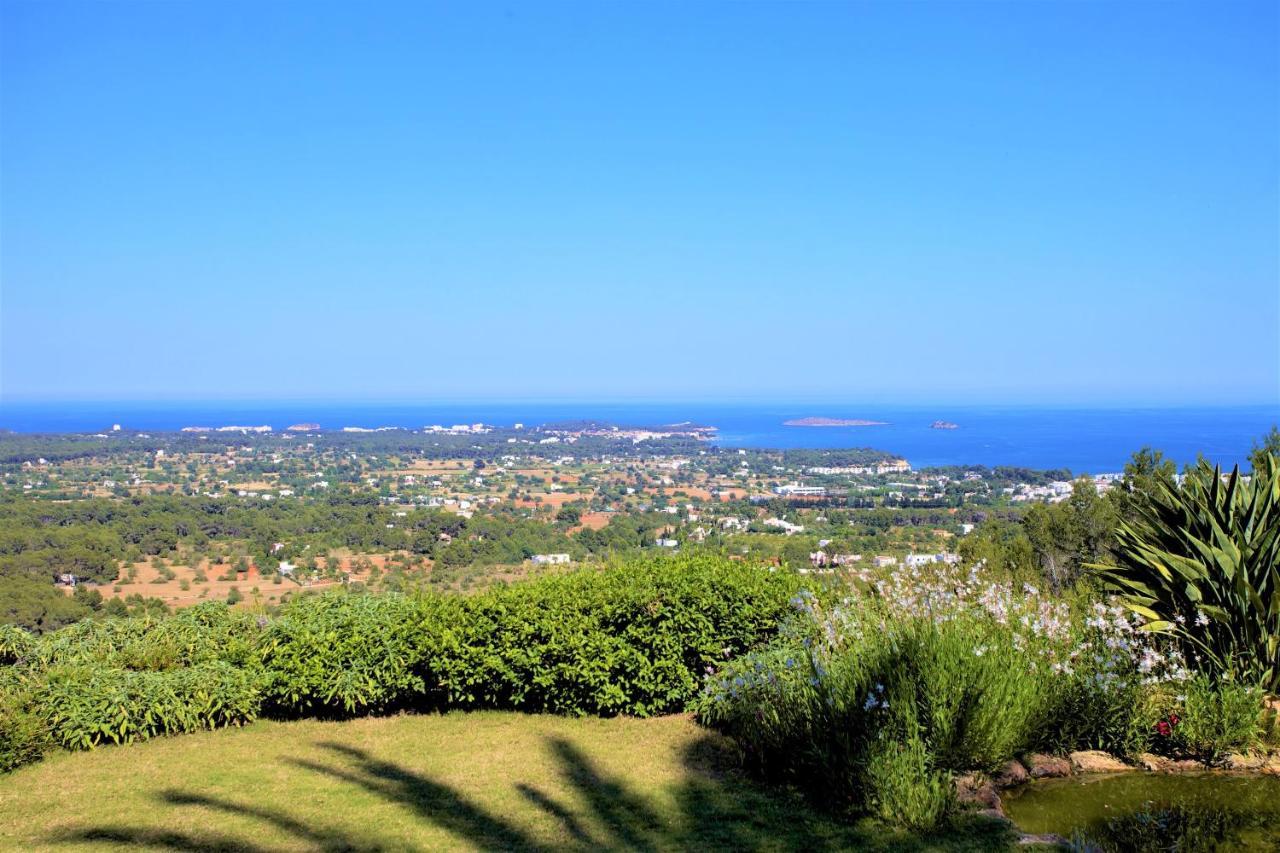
(1202, 563)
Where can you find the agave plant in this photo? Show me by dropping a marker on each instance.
(1202, 563)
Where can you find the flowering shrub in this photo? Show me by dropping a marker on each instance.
(973, 669)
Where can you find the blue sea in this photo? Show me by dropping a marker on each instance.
(1085, 440)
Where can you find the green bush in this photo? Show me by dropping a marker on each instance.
(636, 638)
(904, 788)
(15, 644)
(1095, 707)
(86, 706)
(340, 654)
(869, 704)
(1218, 718)
(24, 733)
(633, 638)
(1202, 562)
(876, 722)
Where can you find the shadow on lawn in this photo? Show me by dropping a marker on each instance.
(717, 809)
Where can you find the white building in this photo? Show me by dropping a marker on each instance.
(797, 490)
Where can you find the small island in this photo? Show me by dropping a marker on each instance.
(944, 425)
(304, 428)
(832, 422)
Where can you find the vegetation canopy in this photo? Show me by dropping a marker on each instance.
(1202, 562)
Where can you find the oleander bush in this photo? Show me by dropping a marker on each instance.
(633, 638)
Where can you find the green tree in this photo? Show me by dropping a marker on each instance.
(1067, 535)
(1144, 476)
(1269, 446)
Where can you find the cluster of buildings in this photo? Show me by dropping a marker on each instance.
(240, 429)
(785, 526)
(890, 466)
(462, 429)
(795, 490)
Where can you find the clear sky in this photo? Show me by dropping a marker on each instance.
(1017, 202)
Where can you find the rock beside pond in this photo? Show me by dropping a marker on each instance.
(977, 789)
(1239, 761)
(1272, 767)
(1096, 761)
(1160, 764)
(1011, 775)
(1043, 766)
(1045, 838)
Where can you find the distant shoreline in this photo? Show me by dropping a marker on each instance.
(832, 422)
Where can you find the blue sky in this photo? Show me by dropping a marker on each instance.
(1009, 202)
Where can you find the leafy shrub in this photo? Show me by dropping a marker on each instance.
(635, 638)
(1218, 718)
(1203, 563)
(24, 734)
(343, 654)
(875, 722)
(869, 703)
(86, 706)
(903, 786)
(15, 644)
(204, 633)
(1093, 708)
(632, 638)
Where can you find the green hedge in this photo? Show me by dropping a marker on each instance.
(634, 638)
(623, 641)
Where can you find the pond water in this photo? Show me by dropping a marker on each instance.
(1143, 811)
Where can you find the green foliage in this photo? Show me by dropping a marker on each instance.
(635, 638)
(15, 644)
(1065, 536)
(905, 789)
(878, 721)
(1096, 707)
(24, 733)
(86, 706)
(37, 605)
(1269, 446)
(342, 654)
(1218, 718)
(632, 638)
(1203, 563)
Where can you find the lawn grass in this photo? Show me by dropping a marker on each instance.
(452, 782)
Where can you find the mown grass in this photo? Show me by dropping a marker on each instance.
(453, 782)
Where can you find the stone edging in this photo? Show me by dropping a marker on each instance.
(983, 790)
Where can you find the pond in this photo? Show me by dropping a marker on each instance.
(1144, 811)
